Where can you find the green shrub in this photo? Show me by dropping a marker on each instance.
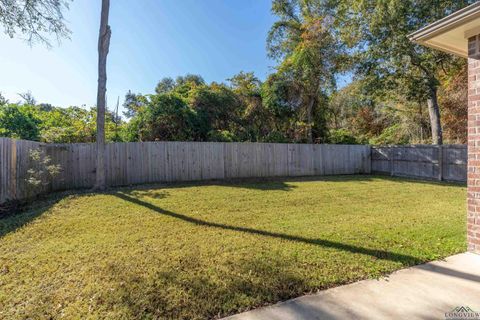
(275, 137)
(221, 136)
(342, 136)
(391, 135)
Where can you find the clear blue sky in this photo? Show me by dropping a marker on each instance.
(151, 39)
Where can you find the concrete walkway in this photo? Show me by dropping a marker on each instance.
(423, 292)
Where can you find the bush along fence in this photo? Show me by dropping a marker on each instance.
(150, 162)
(447, 162)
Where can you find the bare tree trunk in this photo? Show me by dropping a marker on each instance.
(103, 46)
(434, 112)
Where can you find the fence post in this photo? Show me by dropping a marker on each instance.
(440, 162)
(369, 161)
(13, 167)
(392, 154)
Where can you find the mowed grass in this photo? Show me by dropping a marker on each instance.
(206, 251)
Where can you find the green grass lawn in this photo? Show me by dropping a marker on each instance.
(205, 251)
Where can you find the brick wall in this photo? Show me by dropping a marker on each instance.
(473, 175)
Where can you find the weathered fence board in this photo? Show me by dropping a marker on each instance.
(147, 162)
(447, 162)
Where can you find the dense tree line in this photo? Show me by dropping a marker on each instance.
(46, 123)
(400, 92)
(245, 109)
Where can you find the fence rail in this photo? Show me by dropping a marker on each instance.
(447, 162)
(148, 162)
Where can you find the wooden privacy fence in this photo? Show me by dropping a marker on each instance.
(447, 162)
(148, 162)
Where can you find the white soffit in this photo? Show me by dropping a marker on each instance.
(451, 33)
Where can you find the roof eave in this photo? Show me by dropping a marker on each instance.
(449, 22)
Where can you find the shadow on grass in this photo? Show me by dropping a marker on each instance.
(379, 254)
(273, 183)
(11, 222)
(251, 283)
(371, 177)
(25, 213)
(189, 291)
(146, 192)
(262, 184)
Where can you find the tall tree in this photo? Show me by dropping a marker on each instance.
(377, 33)
(103, 47)
(34, 19)
(308, 51)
